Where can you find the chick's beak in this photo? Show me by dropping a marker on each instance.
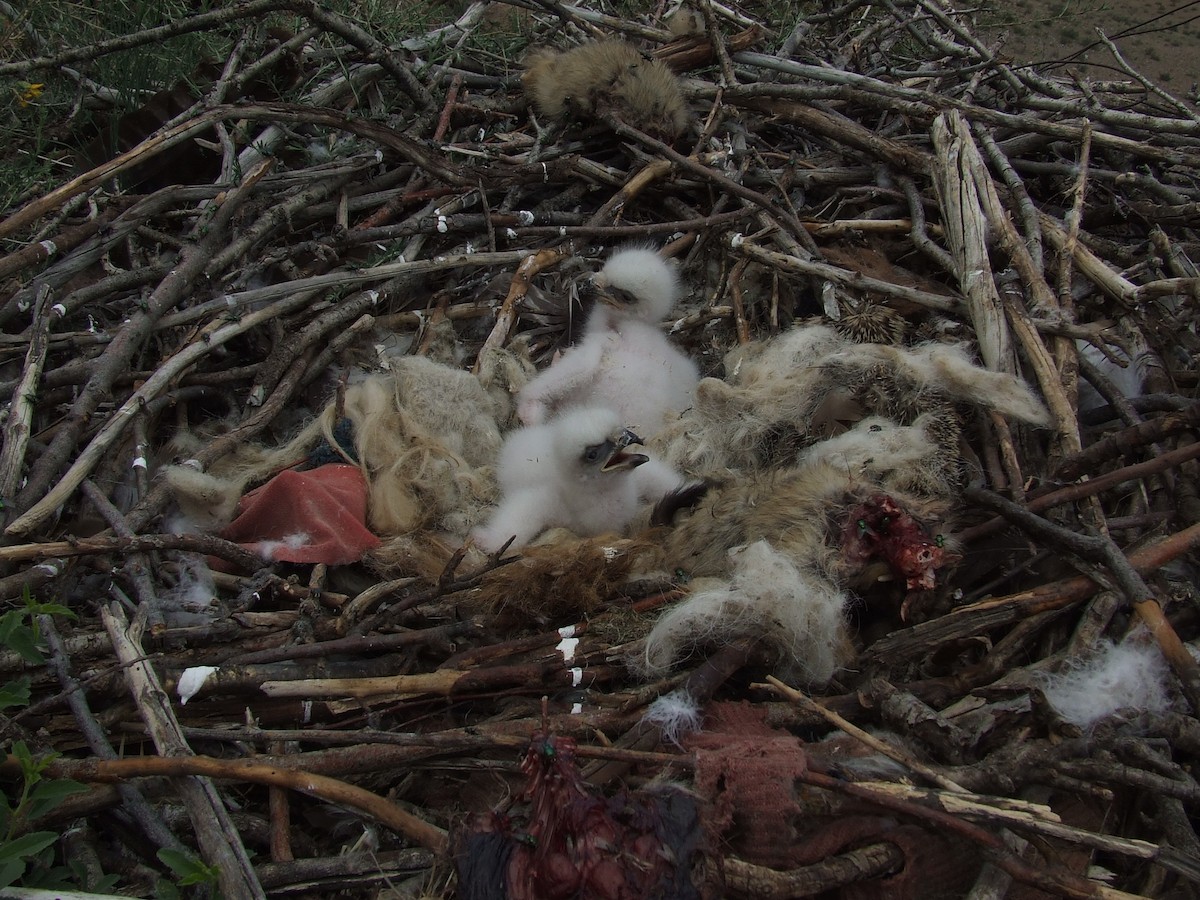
(621, 460)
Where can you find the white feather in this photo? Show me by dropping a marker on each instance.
(676, 715)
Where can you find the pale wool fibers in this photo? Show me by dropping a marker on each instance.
(800, 614)
(208, 502)
(1128, 675)
(448, 404)
(425, 437)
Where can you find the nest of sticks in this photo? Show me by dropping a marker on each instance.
(879, 168)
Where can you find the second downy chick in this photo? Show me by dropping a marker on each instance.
(624, 361)
(575, 472)
(606, 77)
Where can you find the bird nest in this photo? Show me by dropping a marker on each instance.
(883, 227)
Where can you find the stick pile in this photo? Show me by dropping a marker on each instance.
(878, 154)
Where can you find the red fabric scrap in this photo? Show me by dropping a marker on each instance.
(318, 516)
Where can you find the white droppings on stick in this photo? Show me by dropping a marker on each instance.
(192, 680)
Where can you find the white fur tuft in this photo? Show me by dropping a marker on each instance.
(295, 541)
(676, 715)
(1129, 675)
(208, 502)
(766, 596)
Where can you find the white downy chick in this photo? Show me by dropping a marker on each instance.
(574, 472)
(624, 360)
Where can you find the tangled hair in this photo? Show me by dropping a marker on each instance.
(811, 383)
(797, 613)
(425, 436)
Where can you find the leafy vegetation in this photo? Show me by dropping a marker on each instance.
(28, 856)
(191, 872)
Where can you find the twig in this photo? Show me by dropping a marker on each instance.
(1101, 549)
(218, 839)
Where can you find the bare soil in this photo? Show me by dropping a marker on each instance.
(1158, 38)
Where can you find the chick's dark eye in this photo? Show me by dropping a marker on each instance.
(592, 454)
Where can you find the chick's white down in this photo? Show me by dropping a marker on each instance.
(624, 361)
(574, 472)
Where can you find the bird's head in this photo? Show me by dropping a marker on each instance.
(639, 283)
(592, 443)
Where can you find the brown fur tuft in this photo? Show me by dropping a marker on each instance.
(563, 579)
(606, 77)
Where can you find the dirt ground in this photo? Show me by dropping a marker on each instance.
(1159, 38)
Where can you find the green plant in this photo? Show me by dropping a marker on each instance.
(20, 849)
(19, 630)
(26, 855)
(191, 871)
(46, 123)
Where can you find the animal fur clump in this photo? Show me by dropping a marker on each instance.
(606, 77)
(771, 552)
(564, 579)
(796, 508)
(504, 372)
(811, 383)
(1130, 675)
(425, 436)
(766, 596)
(208, 503)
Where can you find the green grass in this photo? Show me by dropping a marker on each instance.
(44, 126)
